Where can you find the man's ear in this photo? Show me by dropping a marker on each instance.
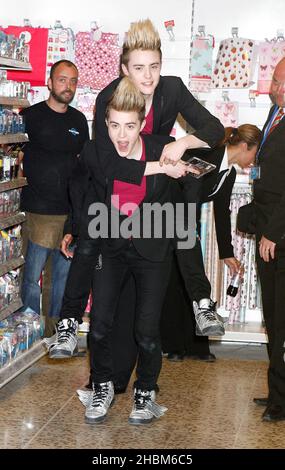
(125, 70)
(49, 84)
(106, 122)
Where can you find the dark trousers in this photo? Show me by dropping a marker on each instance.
(76, 294)
(78, 284)
(151, 280)
(177, 320)
(191, 266)
(272, 279)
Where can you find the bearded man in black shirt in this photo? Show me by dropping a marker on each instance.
(57, 133)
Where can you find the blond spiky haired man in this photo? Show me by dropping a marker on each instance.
(145, 257)
(165, 97)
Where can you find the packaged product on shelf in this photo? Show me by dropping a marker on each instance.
(10, 243)
(9, 288)
(33, 325)
(6, 167)
(9, 202)
(5, 351)
(14, 47)
(12, 336)
(1, 166)
(2, 293)
(11, 122)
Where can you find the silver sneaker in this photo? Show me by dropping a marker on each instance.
(208, 322)
(97, 401)
(145, 408)
(65, 344)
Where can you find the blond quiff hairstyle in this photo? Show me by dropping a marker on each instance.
(142, 35)
(127, 98)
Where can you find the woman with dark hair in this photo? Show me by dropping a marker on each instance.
(188, 278)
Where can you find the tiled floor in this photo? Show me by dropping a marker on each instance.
(209, 406)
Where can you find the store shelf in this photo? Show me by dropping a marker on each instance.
(22, 362)
(12, 307)
(251, 332)
(13, 263)
(17, 102)
(13, 184)
(13, 138)
(11, 64)
(12, 220)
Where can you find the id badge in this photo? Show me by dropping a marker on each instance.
(255, 173)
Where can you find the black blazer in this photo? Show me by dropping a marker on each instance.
(89, 184)
(201, 191)
(269, 190)
(171, 97)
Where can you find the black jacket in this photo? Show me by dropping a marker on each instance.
(171, 97)
(90, 185)
(269, 190)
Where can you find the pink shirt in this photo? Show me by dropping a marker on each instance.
(129, 193)
(149, 122)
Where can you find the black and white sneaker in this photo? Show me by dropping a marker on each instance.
(97, 401)
(65, 344)
(145, 408)
(207, 321)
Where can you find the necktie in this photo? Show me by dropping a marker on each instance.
(276, 121)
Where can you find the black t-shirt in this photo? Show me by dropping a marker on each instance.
(55, 140)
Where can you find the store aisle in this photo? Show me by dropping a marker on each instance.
(210, 406)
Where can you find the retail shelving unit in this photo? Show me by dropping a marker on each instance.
(12, 64)
(25, 359)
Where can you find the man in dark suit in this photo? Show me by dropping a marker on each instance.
(269, 198)
(146, 254)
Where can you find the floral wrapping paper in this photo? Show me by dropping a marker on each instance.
(60, 46)
(202, 63)
(227, 112)
(98, 62)
(248, 296)
(234, 64)
(270, 53)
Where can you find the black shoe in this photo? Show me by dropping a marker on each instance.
(261, 401)
(273, 413)
(175, 357)
(202, 357)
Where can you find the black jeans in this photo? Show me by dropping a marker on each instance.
(192, 269)
(151, 280)
(78, 284)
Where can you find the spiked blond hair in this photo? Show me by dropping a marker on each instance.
(141, 35)
(127, 98)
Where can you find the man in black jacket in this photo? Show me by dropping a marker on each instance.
(146, 254)
(165, 98)
(269, 198)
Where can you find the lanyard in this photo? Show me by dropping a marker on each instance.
(265, 134)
